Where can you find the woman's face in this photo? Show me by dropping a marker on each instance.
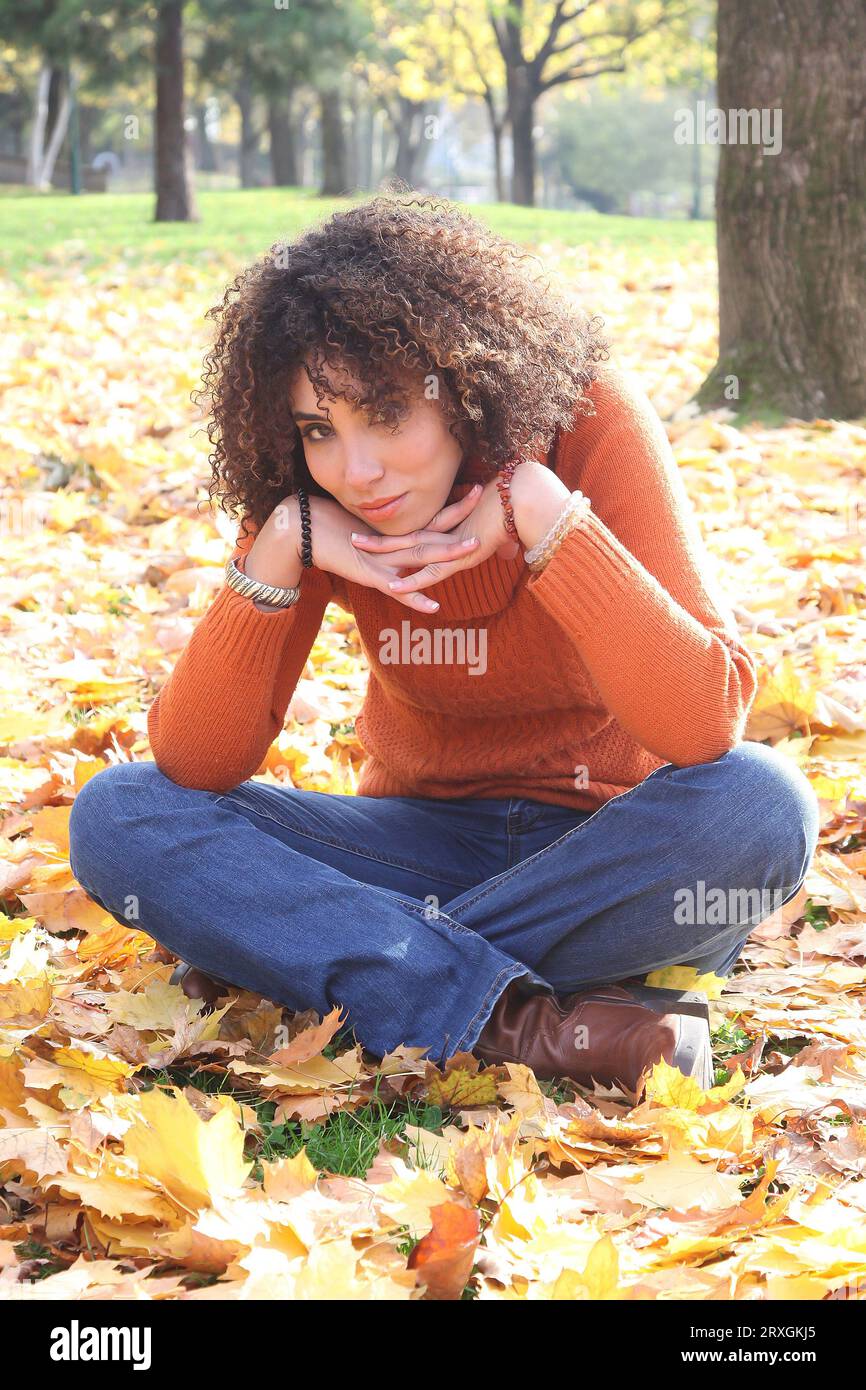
(361, 464)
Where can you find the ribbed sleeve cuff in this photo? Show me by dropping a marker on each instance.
(590, 572)
(245, 636)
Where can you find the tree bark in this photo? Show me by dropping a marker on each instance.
(249, 143)
(791, 226)
(412, 147)
(207, 160)
(283, 150)
(497, 130)
(175, 199)
(334, 165)
(365, 144)
(521, 115)
(50, 121)
(58, 135)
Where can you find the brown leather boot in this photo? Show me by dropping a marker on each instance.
(197, 985)
(609, 1034)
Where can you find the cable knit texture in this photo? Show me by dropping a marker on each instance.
(619, 656)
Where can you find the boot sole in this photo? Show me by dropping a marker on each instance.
(663, 1001)
(693, 1054)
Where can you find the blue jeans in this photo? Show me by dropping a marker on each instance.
(414, 914)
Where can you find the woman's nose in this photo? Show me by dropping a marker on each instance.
(362, 469)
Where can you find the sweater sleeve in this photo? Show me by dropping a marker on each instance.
(631, 587)
(225, 701)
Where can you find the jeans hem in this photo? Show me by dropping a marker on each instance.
(473, 1029)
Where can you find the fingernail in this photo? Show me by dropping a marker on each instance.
(394, 583)
(431, 606)
(359, 536)
(473, 540)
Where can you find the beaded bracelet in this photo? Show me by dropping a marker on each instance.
(306, 529)
(569, 519)
(503, 484)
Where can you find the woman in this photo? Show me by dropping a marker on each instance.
(415, 424)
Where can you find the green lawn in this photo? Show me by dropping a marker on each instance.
(41, 230)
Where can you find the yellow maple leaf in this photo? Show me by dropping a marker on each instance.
(783, 703)
(10, 927)
(28, 1000)
(666, 1086)
(194, 1160)
(599, 1279)
(687, 977)
(108, 1071)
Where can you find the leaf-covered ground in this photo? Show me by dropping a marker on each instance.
(150, 1150)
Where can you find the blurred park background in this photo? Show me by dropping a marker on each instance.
(696, 173)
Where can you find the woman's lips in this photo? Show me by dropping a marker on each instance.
(385, 509)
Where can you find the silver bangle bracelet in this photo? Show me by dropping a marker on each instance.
(257, 591)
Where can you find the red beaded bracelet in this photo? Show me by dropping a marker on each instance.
(503, 483)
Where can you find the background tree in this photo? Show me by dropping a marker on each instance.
(172, 166)
(408, 75)
(543, 47)
(476, 70)
(62, 34)
(791, 226)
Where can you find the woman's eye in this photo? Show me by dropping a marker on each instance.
(308, 434)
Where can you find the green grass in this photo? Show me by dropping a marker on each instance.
(93, 230)
(347, 1141)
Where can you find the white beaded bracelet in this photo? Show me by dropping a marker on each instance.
(571, 516)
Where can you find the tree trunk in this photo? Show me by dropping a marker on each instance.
(334, 168)
(50, 122)
(497, 130)
(521, 116)
(284, 161)
(207, 160)
(697, 147)
(412, 147)
(365, 144)
(791, 226)
(249, 143)
(305, 139)
(37, 130)
(59, 134)
(175, 199)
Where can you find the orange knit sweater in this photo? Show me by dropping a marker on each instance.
(565, 686)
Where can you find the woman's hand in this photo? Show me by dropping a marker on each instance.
(449, 542)
(445, 545)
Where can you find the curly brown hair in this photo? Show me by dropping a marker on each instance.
(397, 289)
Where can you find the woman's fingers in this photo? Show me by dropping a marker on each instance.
(452, 515)
(444, 520)
(420, 602)
(430, 574)
(416, 548)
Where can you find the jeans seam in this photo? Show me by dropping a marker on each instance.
(515, 968)
(495, 885)
(347, 848)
